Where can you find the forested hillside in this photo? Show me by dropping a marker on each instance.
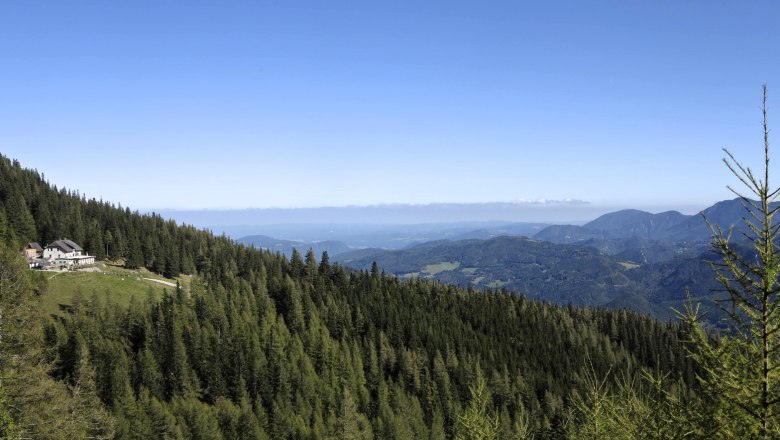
(558, 273)
(260, 346)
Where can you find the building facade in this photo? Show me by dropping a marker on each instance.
(60, 254)
(32, 250)
(62, 249)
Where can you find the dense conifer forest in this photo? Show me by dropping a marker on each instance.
(260, 346)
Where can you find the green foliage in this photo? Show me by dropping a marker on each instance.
(259, 346)
(8, 428)
(34, 405)
(644, 407)
(330, 354)
(739, 370)
(351, 424)
(478, 422)
(110, 285)
(741, 377)
(560, 273)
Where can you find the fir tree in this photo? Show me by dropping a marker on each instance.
(742, 376)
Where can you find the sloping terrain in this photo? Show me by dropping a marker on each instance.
(670, 227)
(259, 346)
(553, 272)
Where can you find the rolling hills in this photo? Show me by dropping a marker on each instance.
(625, 259)
(553, 272)
(669, 227)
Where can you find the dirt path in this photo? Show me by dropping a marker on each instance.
(89, 269)
(167, 283)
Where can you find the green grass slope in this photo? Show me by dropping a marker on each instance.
(116, 284)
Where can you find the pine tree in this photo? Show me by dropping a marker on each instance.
(351, 425)
(6, 232)
(39, 406)
(742, 377)
(478, 422)
(20, 219)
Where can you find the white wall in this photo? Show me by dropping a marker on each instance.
(51, 253)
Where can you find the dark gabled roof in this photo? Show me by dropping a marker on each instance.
(35, 246)
(65, 245)
(72, 245)
(60, 244)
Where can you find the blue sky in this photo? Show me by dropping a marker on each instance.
(173, 104)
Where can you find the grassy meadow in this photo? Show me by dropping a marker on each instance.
(111, 283)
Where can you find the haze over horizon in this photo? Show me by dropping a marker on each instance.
(300, 104)
(551, 212)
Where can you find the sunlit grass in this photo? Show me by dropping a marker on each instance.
(115, 284)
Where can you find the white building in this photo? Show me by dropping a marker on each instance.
(68, 262)
(66, 253)
(62, 249)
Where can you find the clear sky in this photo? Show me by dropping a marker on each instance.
(186, 104)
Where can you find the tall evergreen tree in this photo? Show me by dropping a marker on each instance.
(478, 421)
(743, 368)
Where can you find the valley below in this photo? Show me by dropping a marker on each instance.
(649, 263)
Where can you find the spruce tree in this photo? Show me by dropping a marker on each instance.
(741, 377)
(477, 421)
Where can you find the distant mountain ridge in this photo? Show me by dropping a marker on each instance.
(625, 259)
(361, 236)
(635, 223)
(669, 226)
(637, 235)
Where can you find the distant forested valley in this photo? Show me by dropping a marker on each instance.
(629, 259)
